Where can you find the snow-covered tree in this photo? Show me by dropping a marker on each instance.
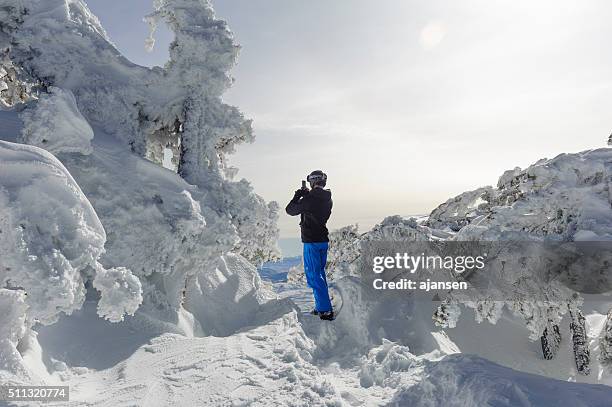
(550, 341)
(51, 241)
(459, 211)
(78, 81)
(580, 342)
(605, 340)
(564, 199)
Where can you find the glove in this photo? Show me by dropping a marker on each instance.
(300, 193)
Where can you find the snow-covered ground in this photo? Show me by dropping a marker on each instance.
(129, 254)
(279, 362)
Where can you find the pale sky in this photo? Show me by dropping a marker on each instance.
(403, 103)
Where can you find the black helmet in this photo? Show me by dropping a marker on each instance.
(317, 177)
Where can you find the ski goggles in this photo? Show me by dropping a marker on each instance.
(316, 177)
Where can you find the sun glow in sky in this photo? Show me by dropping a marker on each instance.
(403, 103)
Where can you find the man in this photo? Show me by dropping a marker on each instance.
(314, 207)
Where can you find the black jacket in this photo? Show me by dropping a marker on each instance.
(315, 208)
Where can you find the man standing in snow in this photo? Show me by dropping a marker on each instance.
(314, 207)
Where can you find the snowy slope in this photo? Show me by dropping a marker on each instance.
(274, 363)
(269, 365)
(471, 381)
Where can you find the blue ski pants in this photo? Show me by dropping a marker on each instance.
(315, 257)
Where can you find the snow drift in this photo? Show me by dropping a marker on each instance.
(471, 381)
